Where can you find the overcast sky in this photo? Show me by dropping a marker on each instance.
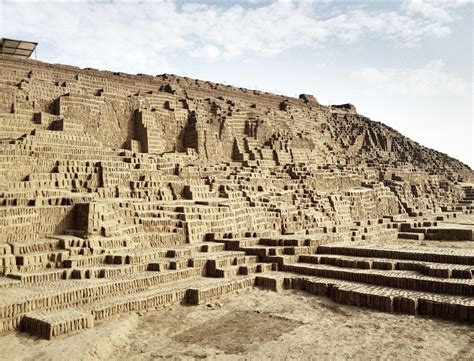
(407, 64)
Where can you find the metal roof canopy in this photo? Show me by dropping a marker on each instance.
(17, 48)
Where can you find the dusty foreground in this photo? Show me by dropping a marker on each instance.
(256, 325)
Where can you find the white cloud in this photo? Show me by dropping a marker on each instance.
(136, 36)
(210, 52)
(438, 10)
(429, 80)
(435, 11)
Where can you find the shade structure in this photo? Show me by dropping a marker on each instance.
(17, 48)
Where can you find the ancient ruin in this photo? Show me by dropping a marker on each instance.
(123, 193)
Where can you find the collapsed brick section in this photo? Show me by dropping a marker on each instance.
(123, 193)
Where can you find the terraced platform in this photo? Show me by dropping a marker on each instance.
(123, 193)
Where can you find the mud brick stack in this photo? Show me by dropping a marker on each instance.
(56, 324)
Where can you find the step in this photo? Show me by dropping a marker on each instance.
(6, 282)
(280, 260)
(49, 325)
(108, 271)
(224, 272)
(396, 279)
(378, 298)
(231, 260)
(411, 235)
(426, 268)
(212, 247)
(169, 264)
(237, 244)
(38, 276)
(208, 292)
(217, 258)
(142, 300)
(17, 301)
(256, 268)
(464, 257)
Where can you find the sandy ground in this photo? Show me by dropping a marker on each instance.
(256, 325)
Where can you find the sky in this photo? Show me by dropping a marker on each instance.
(408, 64)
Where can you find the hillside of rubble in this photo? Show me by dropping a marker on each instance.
(122, 193)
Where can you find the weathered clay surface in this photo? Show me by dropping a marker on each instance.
(123, 193)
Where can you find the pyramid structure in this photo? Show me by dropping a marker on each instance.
(123, 193)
